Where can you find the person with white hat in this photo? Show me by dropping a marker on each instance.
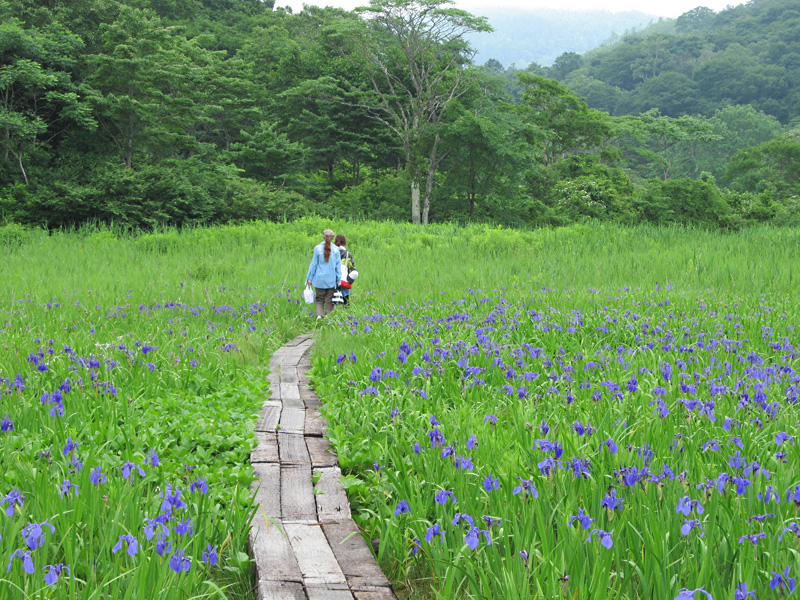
(348, 267)
(324, 274)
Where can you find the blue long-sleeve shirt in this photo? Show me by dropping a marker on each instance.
(323, 274)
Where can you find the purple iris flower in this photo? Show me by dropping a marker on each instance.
(70, 446)
(472, 442)
(711, 444)
(128, 468)
(490, 483)
(443, 495)
(582, 518)
(162, 546)
(491, 419)
(152, 457)
(741, 592)
(402, 507)
(433, 532)
(6, 425)
(471, 538)
(782, 581)
(793, 495)
(611, 444)
(760, 518)
(179, 562)
(66, 486)
(210, 555)
(25, 557)
(131, 541)
(685, 506)
(33, 534)
(686, 594)
(199, 484)
(172, 501)
(527, 486)
(610, 501)
(604, 536)
(753, 537)
(184, 527)
(783, 437)
(690, 524)
(96, 477)
(769, 493)
(14, 497)
(53, 573)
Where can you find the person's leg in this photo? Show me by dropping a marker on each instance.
(319, 299)
(329, 300)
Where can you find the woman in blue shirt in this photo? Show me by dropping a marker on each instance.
(324, 273)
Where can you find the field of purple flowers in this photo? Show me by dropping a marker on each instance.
(575, 444)
(126, 415)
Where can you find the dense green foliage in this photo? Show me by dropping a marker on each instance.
(144, 113)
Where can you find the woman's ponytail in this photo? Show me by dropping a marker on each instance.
(327, 249)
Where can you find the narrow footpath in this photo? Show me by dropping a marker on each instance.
(304, 542)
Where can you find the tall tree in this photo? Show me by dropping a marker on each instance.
(414, 54)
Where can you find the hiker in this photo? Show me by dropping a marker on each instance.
(348, 264)
(324, 273)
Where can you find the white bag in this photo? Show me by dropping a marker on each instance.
(308, 295)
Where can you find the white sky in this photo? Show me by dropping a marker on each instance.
(663, 8)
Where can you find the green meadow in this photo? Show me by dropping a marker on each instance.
(133, 367)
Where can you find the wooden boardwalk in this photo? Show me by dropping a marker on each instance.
(304, 542)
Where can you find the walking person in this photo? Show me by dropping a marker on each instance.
(348, 263)
(324, 273)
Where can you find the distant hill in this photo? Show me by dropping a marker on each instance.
(699, 63)
(540, 35)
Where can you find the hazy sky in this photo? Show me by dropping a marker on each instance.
(665, 8)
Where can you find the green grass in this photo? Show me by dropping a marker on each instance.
(226, 297)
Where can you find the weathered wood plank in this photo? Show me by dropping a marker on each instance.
(289, 375)
(290, 391)
(332, 504)
(374, 593)
(280, 590)
(309, 397)
(326, 593)
(297, 493)
(321, 453)
(354, 555)
(275, 390)
(315, 424)
(268, 496)
(293, 420)
(273, 553)
(315, 558)
(267, 449)
(269, 416)
(292, 449)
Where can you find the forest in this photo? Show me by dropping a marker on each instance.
(146, 113)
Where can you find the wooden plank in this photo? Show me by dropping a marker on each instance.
(326, 593)
(315, 558)
(269, 416)
(374, 593)
(354, 555)
(297, 494)
(267, 449)
(275, 390)
(290, 391)
(315, 424)
(332, 504)
(292, 449)
(309, 397)
(272, 552)
(321, 453)
(268, 496)
(289, 375)
(293, 420)
(280, 590)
